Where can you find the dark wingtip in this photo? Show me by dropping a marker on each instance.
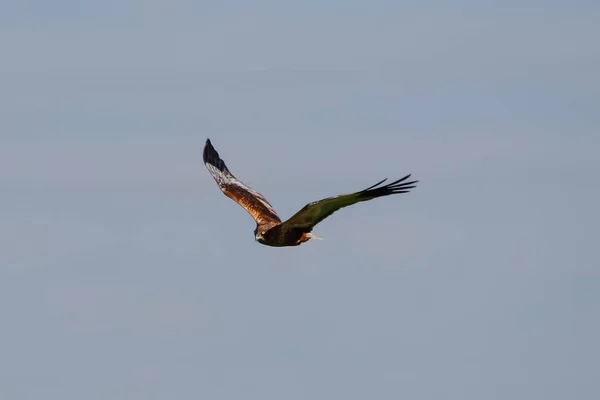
(209, 152)
(398, 186)
(211, 156)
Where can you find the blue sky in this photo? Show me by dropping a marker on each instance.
(126, 274)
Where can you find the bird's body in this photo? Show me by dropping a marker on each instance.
(270, 230)
(277, 236)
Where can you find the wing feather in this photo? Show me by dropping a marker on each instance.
(252, 201)
(315, 212)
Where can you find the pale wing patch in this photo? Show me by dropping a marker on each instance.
(220, 177)
(224, 180)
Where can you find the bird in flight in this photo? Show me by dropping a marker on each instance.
(270, 231)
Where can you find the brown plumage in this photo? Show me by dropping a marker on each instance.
(270, 230)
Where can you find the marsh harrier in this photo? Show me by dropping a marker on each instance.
(270, 230)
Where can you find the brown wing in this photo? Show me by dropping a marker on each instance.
(253, 202)
(317, 211)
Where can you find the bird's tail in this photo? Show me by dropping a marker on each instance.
(313, 236)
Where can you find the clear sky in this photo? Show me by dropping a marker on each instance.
(126, 274)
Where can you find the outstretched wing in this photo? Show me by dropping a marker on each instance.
(317, 211)
(252, 201)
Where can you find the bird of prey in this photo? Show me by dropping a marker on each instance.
(270, 231)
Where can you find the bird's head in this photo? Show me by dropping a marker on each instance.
(259, 235)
